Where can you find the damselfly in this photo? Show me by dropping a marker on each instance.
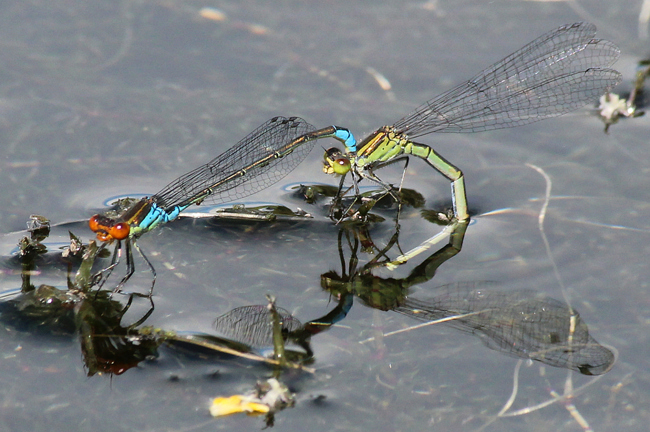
(556, 73)
(261, 159)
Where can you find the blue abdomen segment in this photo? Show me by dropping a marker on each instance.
(157, 216)
(345, 136)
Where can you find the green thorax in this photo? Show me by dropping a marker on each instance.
(383, 145)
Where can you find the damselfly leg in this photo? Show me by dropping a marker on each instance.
(124, 247)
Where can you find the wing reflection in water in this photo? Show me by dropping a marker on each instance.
(252, 325)
(524, 324)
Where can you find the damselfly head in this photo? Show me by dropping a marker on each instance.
(335, 284)
(335, 162)
(108, 229)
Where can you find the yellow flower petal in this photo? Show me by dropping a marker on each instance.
(222, 406)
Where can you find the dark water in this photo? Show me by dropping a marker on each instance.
(100, 99)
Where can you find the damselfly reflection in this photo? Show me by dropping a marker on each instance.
(520, 323)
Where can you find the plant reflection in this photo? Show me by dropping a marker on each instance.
(522, 323)
(106, 345)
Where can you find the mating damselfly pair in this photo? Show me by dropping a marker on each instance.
(558, 72)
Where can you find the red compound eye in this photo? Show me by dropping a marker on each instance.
(93, 223)
(120, 231)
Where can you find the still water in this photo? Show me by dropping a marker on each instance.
(103, 100)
